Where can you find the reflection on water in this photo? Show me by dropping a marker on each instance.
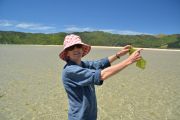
(31, 89)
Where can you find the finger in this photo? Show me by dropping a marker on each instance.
(139, 50)
(137, 54)
(126, 50)
(138, 59)
(127, 46)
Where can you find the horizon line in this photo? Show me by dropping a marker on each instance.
(84, 31)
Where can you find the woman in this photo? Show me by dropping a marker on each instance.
(79, 77)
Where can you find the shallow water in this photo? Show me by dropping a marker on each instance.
(31, 88)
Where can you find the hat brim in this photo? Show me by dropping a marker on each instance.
(86, 49)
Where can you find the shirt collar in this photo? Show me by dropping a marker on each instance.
(70, 62)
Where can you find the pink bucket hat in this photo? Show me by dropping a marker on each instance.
(71, 40)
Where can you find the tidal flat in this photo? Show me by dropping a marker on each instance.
(31, 86)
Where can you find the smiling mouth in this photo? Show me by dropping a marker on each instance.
(77, 54)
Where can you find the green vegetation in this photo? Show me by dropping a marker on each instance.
(96, 38)
(140, 63)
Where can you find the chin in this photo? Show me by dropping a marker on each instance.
(77, 59)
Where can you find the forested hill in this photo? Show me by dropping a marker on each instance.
(96, 38)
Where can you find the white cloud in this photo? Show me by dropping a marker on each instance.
(128, 32)
(36, 27)
(25, 25)
(73, 28)
(77, 29)
(5, 23)
(33, 26)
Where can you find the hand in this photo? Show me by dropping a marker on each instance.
(124, 51)
(135, 56)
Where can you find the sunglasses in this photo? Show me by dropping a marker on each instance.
(74, 46)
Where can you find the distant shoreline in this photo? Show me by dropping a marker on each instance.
(107, 47)
(155, 49)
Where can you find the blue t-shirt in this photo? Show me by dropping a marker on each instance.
(79, 81)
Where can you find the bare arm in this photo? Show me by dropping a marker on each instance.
(112, 58)
(119, 54)
(107, 72)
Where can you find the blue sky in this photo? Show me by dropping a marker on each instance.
(115, 16)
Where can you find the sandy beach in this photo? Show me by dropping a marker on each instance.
(31, 87)
(113, 47)
(155, 49)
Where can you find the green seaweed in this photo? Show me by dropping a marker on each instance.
(131, 50)
(140, 63)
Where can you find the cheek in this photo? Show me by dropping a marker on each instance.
(81, 50)
(68, 53)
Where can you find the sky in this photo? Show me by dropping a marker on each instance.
(115, 16)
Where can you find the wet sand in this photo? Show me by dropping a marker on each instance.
(31, 86)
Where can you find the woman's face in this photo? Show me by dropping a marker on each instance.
(75, 53)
